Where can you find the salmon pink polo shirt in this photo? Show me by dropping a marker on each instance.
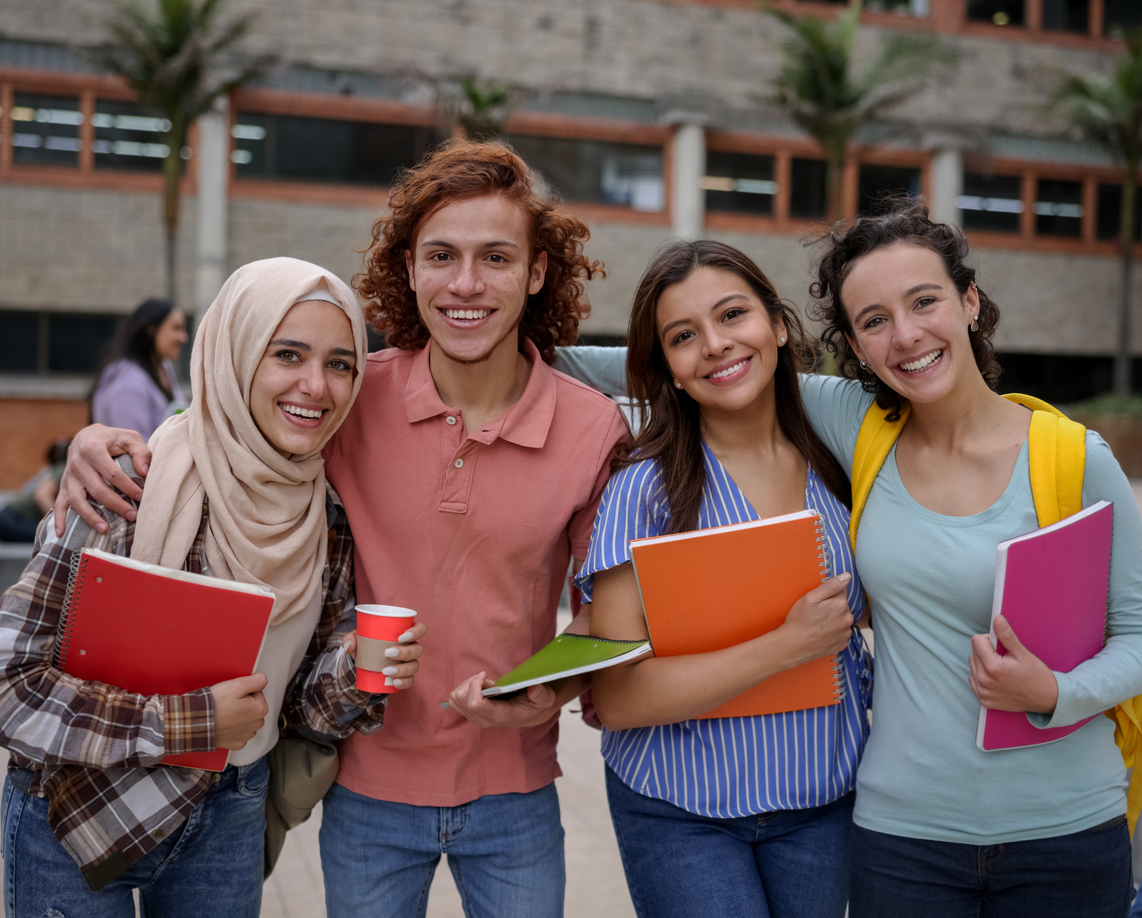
(476, 534)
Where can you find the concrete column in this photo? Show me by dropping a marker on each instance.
(213, 177)
(688, 166)
(947, 185)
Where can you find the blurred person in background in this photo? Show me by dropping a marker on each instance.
(136, 386)
(19, 519)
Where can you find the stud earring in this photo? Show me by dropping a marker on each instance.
(677, 385)
(863, 365)
(780, 341)
(974, 323)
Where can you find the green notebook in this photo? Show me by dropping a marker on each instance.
(567, 655)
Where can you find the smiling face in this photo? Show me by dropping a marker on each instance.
(170, 336)
(304, 381)
(910, 323)
(472, 270)
(719, 340)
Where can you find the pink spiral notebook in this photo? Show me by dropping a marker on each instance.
(1051, 585)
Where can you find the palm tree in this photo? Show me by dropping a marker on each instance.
(1108, 112)
(480, 107)
(170, 53)
(819, 88)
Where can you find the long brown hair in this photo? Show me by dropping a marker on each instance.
(460, 170)
(671, 423)
(909, 222)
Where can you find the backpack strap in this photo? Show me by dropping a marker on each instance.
(874, 443)
(1056, 448)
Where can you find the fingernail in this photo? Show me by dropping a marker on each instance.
(392, 652)
(389, 671)
(846, 576)
(398, 683)
(404, 638)
(131, 514)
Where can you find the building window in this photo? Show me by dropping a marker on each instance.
(992, 203)
(879, 185)
(50, 342)
(1067, 15)
(45, 130)
(1059, 208)
(1110, 212)
(808, 196)
(325, 150)
(596, 171)
(1000, 12)
(739, 183)
(129, 136)
(1119, 16)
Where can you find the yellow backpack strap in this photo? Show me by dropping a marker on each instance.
(1056, 449)
(874, 443)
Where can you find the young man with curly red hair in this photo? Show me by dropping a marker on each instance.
(470, 472)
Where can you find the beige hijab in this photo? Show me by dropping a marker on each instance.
(267, 521)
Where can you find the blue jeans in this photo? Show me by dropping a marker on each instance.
(505, 852)
(211, 866)
(1082, 875)
(789, 863)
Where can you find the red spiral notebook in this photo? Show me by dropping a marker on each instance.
(156, 631)
(1051, 586)
(712, 588)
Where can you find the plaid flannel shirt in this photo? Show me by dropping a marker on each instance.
(94, 751)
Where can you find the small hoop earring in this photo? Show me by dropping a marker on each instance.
(863, 365)
(974, 323)
(677, 385)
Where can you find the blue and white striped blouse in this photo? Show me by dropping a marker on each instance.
(735, 766)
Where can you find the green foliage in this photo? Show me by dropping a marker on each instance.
(169, 52)
(1107, 111)
(482, 106)
(1128, 406)
(824, 93)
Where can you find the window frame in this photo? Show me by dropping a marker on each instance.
(87, 88)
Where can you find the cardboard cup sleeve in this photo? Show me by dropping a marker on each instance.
(378, 628)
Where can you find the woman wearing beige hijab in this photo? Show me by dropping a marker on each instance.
(236, 490)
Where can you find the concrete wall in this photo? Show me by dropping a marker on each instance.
(616, 47)
(87, 251)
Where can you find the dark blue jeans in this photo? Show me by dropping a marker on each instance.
(789, 864)
(1083, 875)
(505, 852)
(212, 865)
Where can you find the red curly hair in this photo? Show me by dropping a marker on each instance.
(457, 171)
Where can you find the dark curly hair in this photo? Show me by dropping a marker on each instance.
(459, 170)
(907, 221)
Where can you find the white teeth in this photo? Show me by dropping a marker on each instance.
(301, 412)
(922, 362)
(728, 370)
(466, 313)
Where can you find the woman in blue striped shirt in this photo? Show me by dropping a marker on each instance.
(739, 815)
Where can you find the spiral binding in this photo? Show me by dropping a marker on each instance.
(825, 557)
(70, 599)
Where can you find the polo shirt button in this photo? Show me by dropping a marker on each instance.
(459, 463)
(159, 833)
(451, 420)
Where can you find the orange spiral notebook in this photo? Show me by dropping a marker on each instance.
(712, 588)
(156, 631)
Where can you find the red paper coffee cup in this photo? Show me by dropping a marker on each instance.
(378, 628)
